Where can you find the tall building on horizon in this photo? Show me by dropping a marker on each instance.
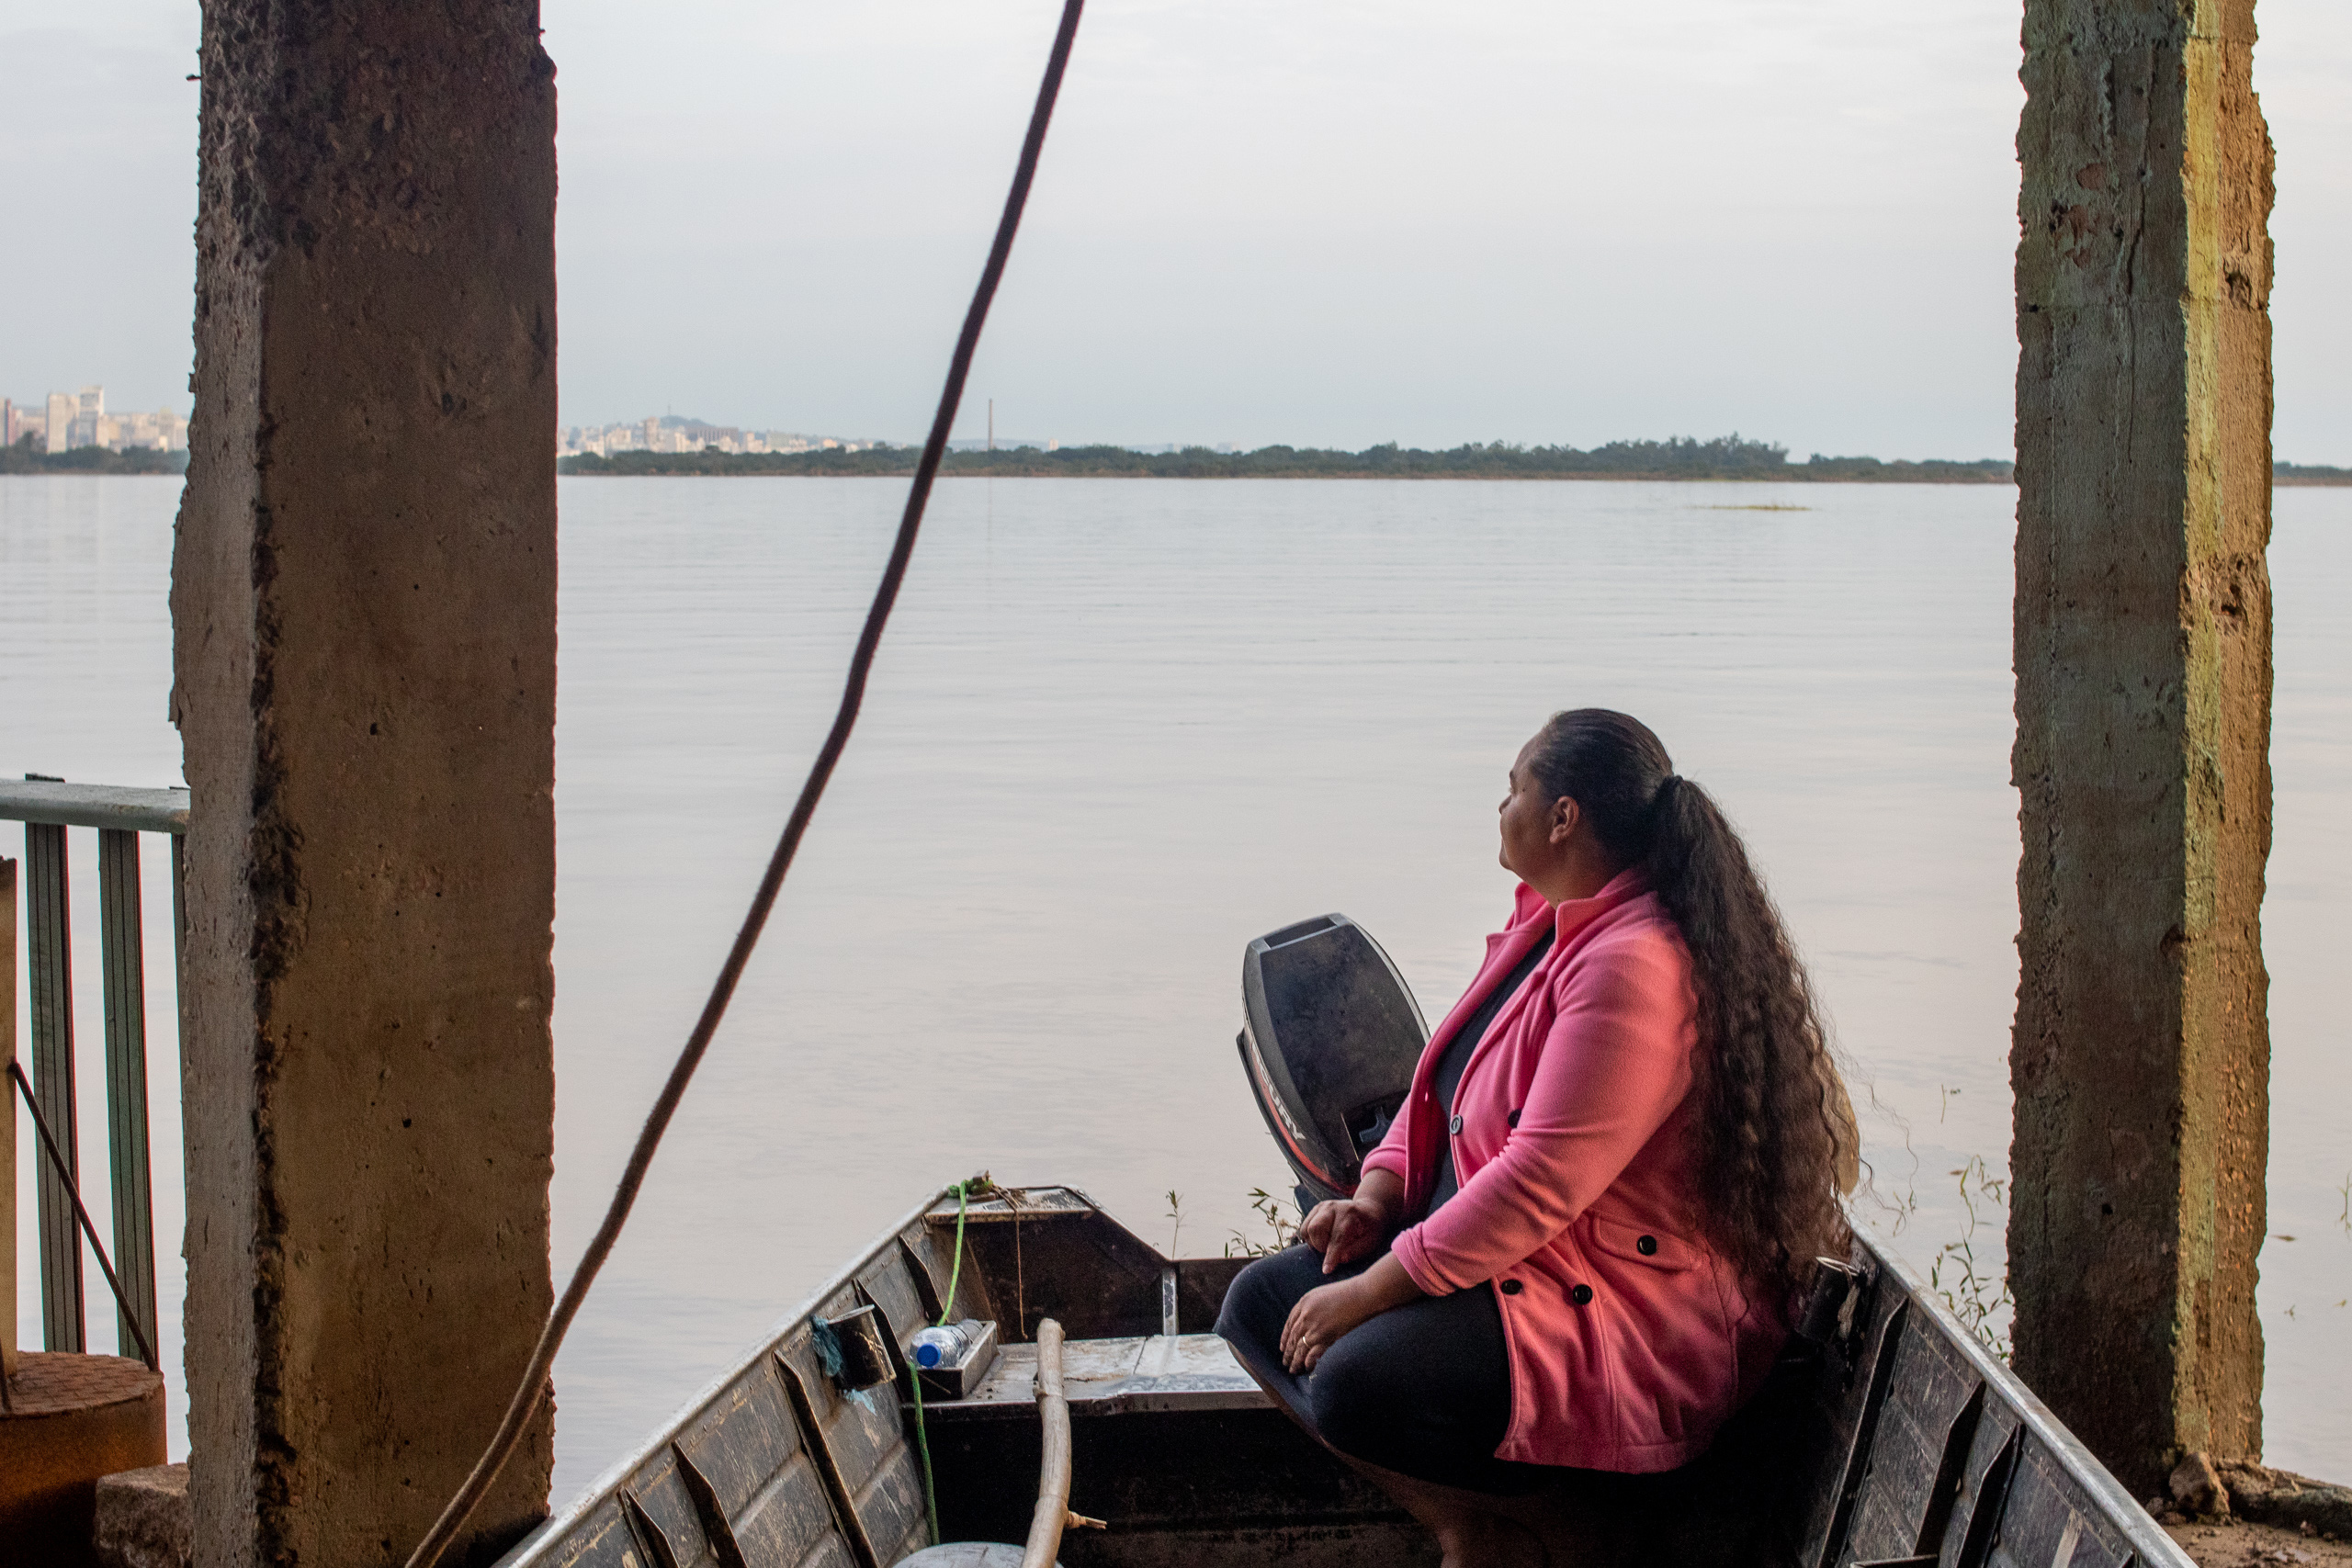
(89, 408)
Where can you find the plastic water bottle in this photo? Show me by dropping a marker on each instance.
(945, 1346)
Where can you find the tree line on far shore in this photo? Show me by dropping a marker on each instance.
(27, 457)
(1680, 458)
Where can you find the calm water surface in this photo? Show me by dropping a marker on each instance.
(1122, 727)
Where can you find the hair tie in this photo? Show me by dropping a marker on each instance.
(1666, 786)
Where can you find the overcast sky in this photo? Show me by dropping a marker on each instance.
(1306, 221)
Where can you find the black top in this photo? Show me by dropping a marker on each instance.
(1458, 1050)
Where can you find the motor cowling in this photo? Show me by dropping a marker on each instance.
(1330, 1037)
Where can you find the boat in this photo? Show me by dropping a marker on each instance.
(1887, 1435)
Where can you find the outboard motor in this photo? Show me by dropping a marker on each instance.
(1330, 1038)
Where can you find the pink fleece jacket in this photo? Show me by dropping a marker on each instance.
(1630, 1341)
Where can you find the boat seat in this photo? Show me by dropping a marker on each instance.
(1112, 1377)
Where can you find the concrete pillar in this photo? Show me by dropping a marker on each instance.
(2141, 1059)
(363, 601)
(8, 1113)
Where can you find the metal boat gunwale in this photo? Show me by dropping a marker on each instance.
(2146, 1537)
(529, 1550)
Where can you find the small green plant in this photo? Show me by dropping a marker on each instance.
(1981, 1301)
(1176, 1217)
(1283, 1227)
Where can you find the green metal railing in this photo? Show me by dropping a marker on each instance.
(48, 808)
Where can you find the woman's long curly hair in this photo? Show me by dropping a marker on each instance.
(1776, 1132)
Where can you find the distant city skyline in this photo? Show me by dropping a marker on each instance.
(675, 432)
(1313, 223)
(681, 432)
(61, 422)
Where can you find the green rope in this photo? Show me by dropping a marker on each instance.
(923, 1444)
(955, 1271)
(914, 1373)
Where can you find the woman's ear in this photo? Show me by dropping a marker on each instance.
(1566, 815)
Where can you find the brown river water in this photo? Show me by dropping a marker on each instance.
(1120, 727)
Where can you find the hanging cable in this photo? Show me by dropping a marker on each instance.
(82, 1216)
(533, 1386)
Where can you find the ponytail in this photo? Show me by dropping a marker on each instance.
(1775, 1131)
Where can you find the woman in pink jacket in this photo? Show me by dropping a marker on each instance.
(1581, 1244)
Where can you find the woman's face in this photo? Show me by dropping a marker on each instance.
(1529, 817)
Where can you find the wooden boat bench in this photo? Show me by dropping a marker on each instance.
(1114, 1377)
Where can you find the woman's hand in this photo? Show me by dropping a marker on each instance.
(1328, 1311)
(1342, 1230)
(1322, 1315)
(1345, 1229)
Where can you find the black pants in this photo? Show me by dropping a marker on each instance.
(1423, 1390)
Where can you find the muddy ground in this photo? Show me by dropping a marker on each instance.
(2241, 1545)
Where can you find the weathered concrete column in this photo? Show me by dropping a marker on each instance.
(2141, 1060)
(7, 1119)
(363, 599)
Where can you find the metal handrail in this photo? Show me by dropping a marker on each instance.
(48, 806)
(66, 804)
